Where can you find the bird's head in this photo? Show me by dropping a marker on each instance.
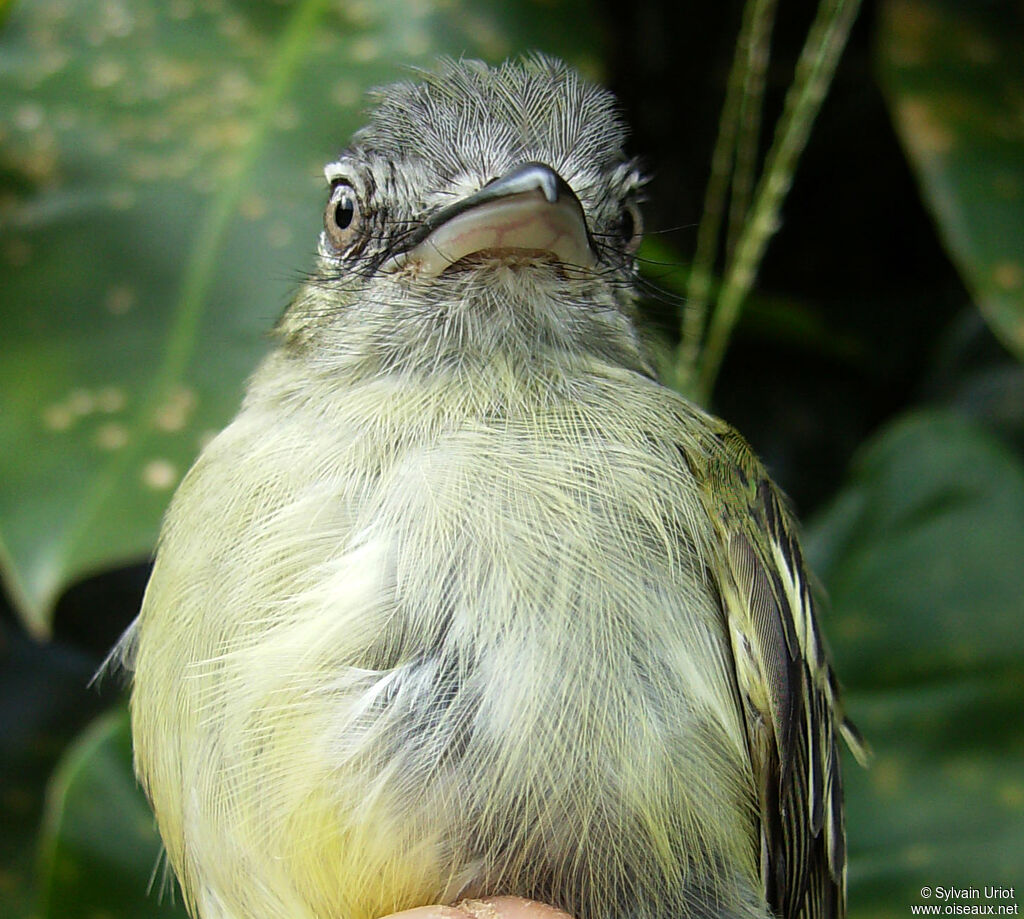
(481, 211)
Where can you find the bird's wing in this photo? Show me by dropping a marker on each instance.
(787, 689)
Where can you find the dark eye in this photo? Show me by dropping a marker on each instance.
(344, 213)
(342, 216)
(631, 227)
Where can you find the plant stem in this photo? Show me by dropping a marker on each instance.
(814, 70)
(698, 286)
(758, 53)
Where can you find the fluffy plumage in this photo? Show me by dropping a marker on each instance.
(464, 602)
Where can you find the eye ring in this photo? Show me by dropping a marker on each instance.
(632, 227)
(342, 216)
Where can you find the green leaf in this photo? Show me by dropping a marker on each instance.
(942, 803)
(160, 196)
(921, 555)
(99, 847)
(43, 706)
(953, 72)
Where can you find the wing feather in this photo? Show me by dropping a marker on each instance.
(788, 691)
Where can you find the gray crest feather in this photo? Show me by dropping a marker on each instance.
(464, 117)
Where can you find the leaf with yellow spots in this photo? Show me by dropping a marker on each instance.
(953, 72)
(160, 196)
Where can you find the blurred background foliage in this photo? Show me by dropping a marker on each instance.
(160, 194)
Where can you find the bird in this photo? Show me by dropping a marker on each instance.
(464, 602)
